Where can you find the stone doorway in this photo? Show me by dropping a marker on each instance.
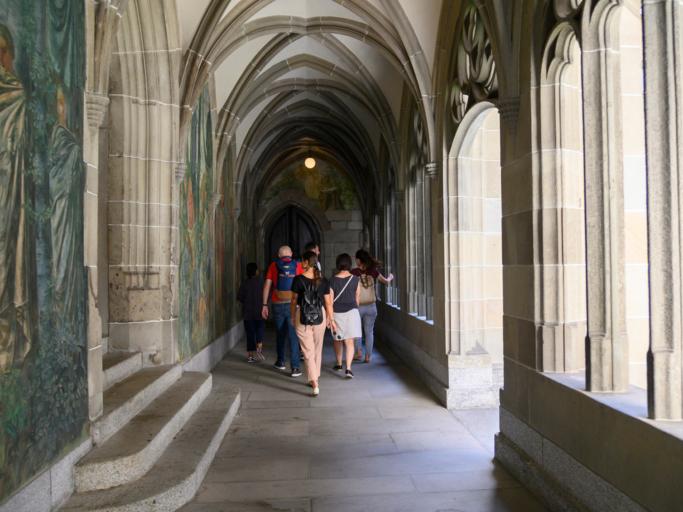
(293, 227)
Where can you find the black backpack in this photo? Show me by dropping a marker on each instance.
(311, 305)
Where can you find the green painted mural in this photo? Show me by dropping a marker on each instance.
(201, 240)
(42, 273)
(331, 187)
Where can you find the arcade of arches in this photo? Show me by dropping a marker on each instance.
(514, 163)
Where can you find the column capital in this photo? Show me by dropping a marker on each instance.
(431, 169)
(509, 109)
(96, 105)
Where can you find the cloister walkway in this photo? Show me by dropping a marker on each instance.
(379, 442)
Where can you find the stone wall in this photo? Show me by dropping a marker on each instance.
(343, 233)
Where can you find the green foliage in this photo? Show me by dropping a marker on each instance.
(13, 405)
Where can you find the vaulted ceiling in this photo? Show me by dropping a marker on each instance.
(294, 77)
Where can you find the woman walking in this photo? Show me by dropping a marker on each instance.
(347, 327)
(311, 296)
(367, 270)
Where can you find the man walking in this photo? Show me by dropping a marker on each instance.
(278, 287)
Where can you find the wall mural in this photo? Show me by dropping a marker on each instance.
(197, 250)
(43, 381)
(331, 187)
(227, 265)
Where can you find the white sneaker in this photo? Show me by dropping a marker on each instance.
(316, 391)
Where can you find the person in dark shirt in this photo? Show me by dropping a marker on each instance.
(347, 324)
(249, 295)
(311, 313)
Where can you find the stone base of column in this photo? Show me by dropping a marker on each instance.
(459, 382)
(473, 382)
(432, 372)
(156, 339)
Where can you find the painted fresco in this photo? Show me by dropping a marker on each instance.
(43, 381)
(197, 249)
(224, 246)
(331, 187)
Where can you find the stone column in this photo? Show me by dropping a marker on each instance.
(411, 246)
(95, 110)
(663, 48)
(606, 343)
(430, 177)
(142, 200)
(561, 321)
(403, 248)
(420, 262)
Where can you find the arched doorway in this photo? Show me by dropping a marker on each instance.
(293, 227)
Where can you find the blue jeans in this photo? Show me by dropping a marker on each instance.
(286, 334)
(368, 315)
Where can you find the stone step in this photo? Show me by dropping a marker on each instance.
(119, 366)
(126, 399)
(179, 472)
(134, 449)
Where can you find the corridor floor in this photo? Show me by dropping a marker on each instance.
(377, 443)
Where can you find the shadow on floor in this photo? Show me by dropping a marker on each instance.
(379, 442)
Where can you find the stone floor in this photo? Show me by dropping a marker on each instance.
(379, 443)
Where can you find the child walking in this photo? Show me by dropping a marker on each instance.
(249, 295)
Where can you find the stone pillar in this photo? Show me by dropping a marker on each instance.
(142, 201)
(431, 176)
(561, 321)
(95, 111)
(403, 249)
(420, 263)
(411, 245)
(606, 343)
(663, 47)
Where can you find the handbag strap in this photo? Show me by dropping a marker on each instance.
(343, 289)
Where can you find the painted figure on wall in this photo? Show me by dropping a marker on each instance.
(66, 194)
(43, 353)
(15, 335)
(331, 187)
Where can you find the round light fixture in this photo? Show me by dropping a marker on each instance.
(309, 163)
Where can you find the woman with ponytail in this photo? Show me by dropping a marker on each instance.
(368, 270)
(312, 300)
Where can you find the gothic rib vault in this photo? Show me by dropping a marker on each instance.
(513, 162)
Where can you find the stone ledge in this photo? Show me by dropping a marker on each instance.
(612, 440)
(51, 488)
(532, 476)
(206, 359)
(561, 482)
